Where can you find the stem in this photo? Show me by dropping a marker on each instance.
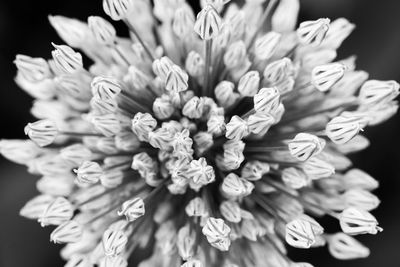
(207, 65)
(146, 48)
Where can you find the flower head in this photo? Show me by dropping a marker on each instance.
(199, 135)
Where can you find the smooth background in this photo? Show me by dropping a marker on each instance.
(376, 41)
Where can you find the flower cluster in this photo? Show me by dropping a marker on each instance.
(210, 140)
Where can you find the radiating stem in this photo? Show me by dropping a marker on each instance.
(207, 66)
(146, 48)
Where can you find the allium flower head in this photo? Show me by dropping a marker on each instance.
(209, 140)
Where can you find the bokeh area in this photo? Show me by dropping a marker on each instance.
(376, 42)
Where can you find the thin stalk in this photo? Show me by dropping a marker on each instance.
(207, 67)
(146, 48)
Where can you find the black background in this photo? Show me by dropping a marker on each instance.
(376, 41)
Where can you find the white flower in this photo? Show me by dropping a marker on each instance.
(192, 118)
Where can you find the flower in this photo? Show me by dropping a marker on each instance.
(199, 135)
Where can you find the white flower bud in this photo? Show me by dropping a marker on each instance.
(88, 173)
(217, 233)
(225, 95)
(103, 31)
(233, 186)
(142, 124)
(345, 247)
(105, 88)
(200, 172)
(76, 154)
(325, 76)
(249, 83)
(216, 125)
(194, 108)
(126, 141)
(68, 232)
(300, 234)
(161, 67)
(354, 221)
(72, 31)
(66, 59)
(183, 21)
(234, 145)
(232, 159)
(161, 138)
(374, 92)
(106, 145)
(33, 69)
(162, 107)
(111, 179)
(356, 144)
(231, 211)
(61, 185)
(294, 178)
(176, 80)
(42, 132)
(316, 168)
(361, 199)
(264, 47)
(117, 9)
(278, 71)
(114, 242)
(35, 207)
(132, 209)
(116, 261)
(304, 146)
(260, 123)
(284, 18)
(236, 128)
(235, 55)
(143, 163)
(313, 32)
(58, 212)
(208, 23)
(254, 170)
(383, 113)
(339, 30)
(186, 242)
(103, 106)
(266, 101)
(107, 124)
(196, 208)
(194, 64)
(341, 129)
(359, 179)
(19, 151)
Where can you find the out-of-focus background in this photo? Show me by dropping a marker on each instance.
(376, 42)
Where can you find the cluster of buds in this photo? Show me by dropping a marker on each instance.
(226, 132)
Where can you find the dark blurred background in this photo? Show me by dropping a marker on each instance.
(376, 41)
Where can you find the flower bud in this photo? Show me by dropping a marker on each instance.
(231, 211)
(249, 83)
(200, 172)
(117, 9)
(177, 80)
(339, 30)
(66, 59)
(132, 209)
(313, 32)
(235, 55)
(216, 125)
(217, 233)
(186, 243)
(225, 95)
(114, 242)
(233, 186)
(72, 31)
(35, 207)
(127, 141)
(103, 31)
(19, 151)
(354, 221)
(265, 45)
(33, 69)
(345, 247)
(105, 88)
(58, 212)
(360, 199)
(194, 64)
(203, 141)
(300, 234)
(194, 108)
(61, 185)
(208, 23)
(237, 128)
(259, 123)
(68, 232)
(111, 179)
(196, 208)
(266, 101)
(183, 21)
(142, 124)
(359, 179)
(162, 107)
(341, 129)
(325, 76)
(88, 173)
(316, 168)
(254, 170)
(305, 145)
(278, 71)
(42, 132)
(76, 154)
(161, 67)
(374, 92)
(143, 163)
(294, 178)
